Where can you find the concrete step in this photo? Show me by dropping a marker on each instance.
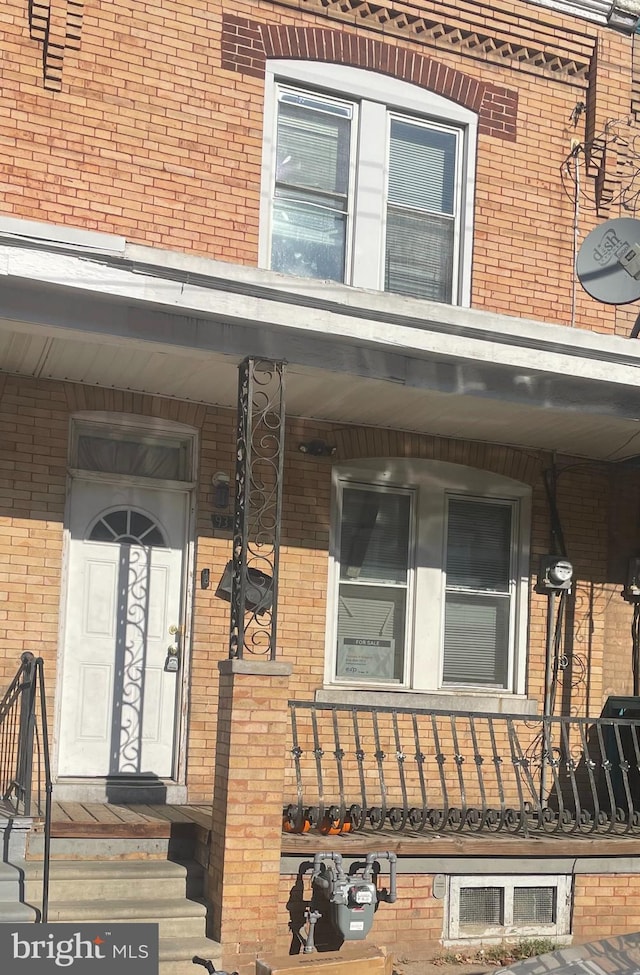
(11, 880)
(111, 848)
(176, 917)
(176, 955)
(13, 911)
(113, 879)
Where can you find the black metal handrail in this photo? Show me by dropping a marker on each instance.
(358, 767)
(25, 769)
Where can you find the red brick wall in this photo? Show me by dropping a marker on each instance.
(603, 905)
(147, 122)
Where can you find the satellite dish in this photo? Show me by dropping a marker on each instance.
(608, 264)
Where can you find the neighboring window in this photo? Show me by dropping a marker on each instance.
(485, 907)
(368, 181)
(430, 563)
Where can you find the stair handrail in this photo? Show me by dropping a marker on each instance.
(24, 737)
(48, 788)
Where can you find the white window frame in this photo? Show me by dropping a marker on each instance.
(434, 482)
(146, 430)
(559, 930)
(377, 97)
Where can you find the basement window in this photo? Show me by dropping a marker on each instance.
(483, 907)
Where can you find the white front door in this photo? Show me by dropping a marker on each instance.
(124, 595)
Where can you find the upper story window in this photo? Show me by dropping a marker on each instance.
(429, 577)
(367, 181)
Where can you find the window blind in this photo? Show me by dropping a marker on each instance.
(313, 148)
(371, 632)
(374, 538)
(478, 545)
(478, 593)
(476, 639)
(419, 255)
(311, 187)
(422, 167)
(420, 227)
(374, 564)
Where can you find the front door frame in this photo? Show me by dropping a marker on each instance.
(94, 789)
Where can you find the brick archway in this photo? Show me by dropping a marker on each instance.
(247, 44)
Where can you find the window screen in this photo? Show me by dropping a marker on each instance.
(495, 905)
(481, 905)
(478, 592)
(534, 905)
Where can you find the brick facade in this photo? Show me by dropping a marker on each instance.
(130, 146)
(147, 122)
(603, 905)
(34, 418)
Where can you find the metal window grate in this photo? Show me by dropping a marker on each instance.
(481, 905)
(534, 905)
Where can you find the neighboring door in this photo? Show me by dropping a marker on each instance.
(119, 695)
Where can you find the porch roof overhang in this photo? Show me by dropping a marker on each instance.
(619, 14)
(126, 316)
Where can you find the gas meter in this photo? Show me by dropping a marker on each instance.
(352, 898)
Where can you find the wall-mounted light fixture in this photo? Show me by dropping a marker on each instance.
(220, 483)
(555, 574)
(631, 591)
(317, 448)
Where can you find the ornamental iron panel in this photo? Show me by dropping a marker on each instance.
(258, 508)
(354, 767)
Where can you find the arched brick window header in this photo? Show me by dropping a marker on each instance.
(247, 44)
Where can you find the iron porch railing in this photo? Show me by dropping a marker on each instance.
(356, 767)
(25, 771)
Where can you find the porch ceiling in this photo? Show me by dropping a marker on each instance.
(336, 397)
(173, 325)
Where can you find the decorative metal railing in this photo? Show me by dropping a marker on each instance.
(25, 772)
(355, 768)
(258, 508)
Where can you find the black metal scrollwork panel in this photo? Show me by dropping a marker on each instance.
(256, 536)
(359, 767)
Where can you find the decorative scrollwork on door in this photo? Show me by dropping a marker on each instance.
(136, 534)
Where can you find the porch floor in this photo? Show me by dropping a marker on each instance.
(117, 820)
(158, 821)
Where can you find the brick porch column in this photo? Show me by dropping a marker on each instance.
(246, 830)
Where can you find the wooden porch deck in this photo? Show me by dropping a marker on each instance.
(84, 819)
(74, 819)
